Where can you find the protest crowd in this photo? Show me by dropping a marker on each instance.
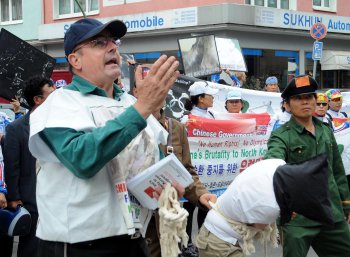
(279, 176)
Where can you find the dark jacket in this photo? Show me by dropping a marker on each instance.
(182, 152)
(20, 165)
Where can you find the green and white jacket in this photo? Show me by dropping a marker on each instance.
(88, 145)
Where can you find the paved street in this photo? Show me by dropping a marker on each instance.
(15, 243)
(277, 252)
(260, 251)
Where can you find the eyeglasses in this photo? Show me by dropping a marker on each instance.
(100, 42)
(323, 104)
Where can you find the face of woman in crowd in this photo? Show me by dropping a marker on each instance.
(234, 106)
(206, 101)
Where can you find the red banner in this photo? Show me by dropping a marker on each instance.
(238, 123)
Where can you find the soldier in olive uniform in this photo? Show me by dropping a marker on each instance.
(300, 139)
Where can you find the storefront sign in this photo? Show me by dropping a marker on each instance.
(137, 22)
(335, 60)
(271, 17)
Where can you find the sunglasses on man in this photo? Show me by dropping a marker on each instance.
(323, 104)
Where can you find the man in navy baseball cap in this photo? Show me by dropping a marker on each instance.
(87, 28)
(90, 114)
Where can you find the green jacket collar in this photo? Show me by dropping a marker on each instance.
(300, 128)
(85, 87)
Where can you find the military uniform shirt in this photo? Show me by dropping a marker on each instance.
(293, 143)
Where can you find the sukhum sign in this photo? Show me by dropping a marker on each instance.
(300, 20)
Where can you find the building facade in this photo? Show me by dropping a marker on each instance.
(22, 18)
(273, 34)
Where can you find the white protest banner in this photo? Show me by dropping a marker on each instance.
(218, 154)
(257, 101)
(343, 141)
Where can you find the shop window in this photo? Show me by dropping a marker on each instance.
(280, 4)
(263, 63)
(325, 5)
(10, 11)
(70, 8)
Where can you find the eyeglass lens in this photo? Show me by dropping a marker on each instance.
(102, 42)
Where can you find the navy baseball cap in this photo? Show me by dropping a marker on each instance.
(87, 28)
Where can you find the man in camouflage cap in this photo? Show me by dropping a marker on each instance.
(300, 139)
(335, 104)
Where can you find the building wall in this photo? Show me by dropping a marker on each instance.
(341, 10)
(158, 5)
(280, 37)
(141, 7)
(32, 18)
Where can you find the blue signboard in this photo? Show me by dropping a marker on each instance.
(317, 51)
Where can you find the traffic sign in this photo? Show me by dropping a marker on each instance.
(317, 50)
(318, 31)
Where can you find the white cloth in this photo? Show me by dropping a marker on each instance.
(249, 199)
(196, 111)
(75, 210)
(4, 120)
(280, 119)
(217, 225)
(335, 114)
(323, 119)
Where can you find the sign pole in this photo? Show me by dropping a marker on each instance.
(318, 31)
(314, 69)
